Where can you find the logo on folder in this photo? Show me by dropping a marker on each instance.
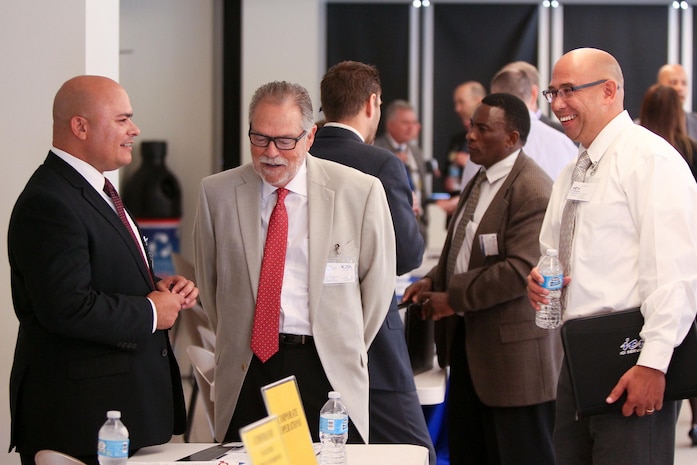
(631, 346)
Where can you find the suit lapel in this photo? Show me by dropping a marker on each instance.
(248, 198)
(496, 213)
(99, 204)
(320, 205)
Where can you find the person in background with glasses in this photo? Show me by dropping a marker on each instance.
(351, 95)
(634, 244)
(295, 256)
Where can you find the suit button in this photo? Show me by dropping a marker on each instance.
(164, 352)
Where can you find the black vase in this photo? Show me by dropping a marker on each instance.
(153, 191)
(153, 197)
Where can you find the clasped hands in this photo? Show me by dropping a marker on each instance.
(434, 305)
(174, 293)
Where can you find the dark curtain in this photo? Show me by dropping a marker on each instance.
(232, 82)
(377, 34)
(471, 43)
(635, 36)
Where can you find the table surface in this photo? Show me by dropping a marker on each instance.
(358, 454)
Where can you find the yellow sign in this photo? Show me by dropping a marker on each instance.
(264, 443)
(282, 399)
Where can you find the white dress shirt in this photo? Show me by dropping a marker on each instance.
(495, 176)
(635, 242)
(551, 149)
(295, 304)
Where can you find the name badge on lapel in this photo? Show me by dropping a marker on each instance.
(489, 244)
(340, 269)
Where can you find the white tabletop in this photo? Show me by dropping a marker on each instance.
(430, 385)
(358, 454)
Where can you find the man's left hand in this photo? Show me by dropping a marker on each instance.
(645, 387)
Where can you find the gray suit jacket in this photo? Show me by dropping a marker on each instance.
(512, 361)
(692, 125)
(345, 207)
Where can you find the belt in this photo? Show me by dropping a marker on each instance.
(296, 339)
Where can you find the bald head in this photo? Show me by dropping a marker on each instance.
(675, 76)
(92, 121)
(467, 97)
(585, 113)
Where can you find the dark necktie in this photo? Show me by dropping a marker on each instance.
(568, 219)
(266, 316)
(461, 230)
(110, 190)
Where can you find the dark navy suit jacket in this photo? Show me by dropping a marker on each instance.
(388, 359)
(85, 342)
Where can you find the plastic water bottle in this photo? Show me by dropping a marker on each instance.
(333, 431)
(549, 316)
(112, 445)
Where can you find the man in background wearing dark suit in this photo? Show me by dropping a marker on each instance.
(351, 98)
(503, 368)
(93, 318)
(401, 133)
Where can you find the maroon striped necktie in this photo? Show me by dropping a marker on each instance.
(110, 190)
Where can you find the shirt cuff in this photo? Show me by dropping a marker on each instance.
(154, 315)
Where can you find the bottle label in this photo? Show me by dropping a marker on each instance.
(114, 449)
(337, 424)
(553, 282)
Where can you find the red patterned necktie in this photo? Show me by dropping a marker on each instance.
(268, 309)
(110, 190)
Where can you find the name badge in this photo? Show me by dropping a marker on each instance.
(489, 244)
(341, 272)
(581, 191)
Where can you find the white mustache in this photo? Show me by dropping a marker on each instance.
(276, 161)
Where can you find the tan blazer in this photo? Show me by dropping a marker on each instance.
(345, 207)
(512, 361)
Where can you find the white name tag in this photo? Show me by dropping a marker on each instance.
(340, 273)
(489, 244)
(581, 191)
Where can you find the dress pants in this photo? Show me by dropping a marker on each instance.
(612, 438)
(300, 360)
(482, 435)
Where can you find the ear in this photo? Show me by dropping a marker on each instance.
(513, 138)
(610, 89)
(79, 126)
(371, 105)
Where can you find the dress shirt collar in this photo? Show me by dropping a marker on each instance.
(334, 124)
(297, 185)
(606, 137)
(87, 171)
(501, 169)
(394, 144)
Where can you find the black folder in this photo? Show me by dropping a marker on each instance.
(599, 349)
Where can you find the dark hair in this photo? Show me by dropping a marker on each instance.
(662, 113)
(517, 116)
(345, 88)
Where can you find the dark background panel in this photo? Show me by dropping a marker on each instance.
(636, 36)
(471, 43)
(377, 34)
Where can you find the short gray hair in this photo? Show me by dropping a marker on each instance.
(278, 92)
(395, 106)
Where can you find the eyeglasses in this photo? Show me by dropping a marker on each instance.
(282, 143)
(568, 91)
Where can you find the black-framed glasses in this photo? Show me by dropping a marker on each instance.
(568, 91)
(282, 143)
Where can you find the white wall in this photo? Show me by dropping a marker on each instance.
(36, 59)
(167, 54)
(281, 41)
